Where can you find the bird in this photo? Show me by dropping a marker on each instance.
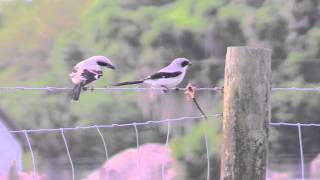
(167, 77)
(87, 71)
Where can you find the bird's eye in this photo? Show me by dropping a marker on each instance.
(101, 63)
(184, 63)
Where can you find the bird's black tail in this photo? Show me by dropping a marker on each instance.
(76, 92)
(128, 83)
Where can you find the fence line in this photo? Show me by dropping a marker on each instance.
(111, 89)
(108, 89)
(134, 124)
(294, 124)
(315, 89)
(298, 126)
(115, 125)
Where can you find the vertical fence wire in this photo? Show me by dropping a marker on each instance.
(138, 145)
(32, 154)
(301, 151)
(68, 152)
(207, 148)
(103, 142)
(165, 152)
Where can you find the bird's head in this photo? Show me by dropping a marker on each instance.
(181, 63)
(104, 62)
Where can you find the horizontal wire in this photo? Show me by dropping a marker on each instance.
(294, 124)
(153, 122)
(114, 125)
(296, 89)
(54, 89)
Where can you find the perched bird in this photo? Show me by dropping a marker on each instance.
(168, 77)
(88, 71)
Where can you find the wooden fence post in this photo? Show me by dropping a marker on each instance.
(246, 114)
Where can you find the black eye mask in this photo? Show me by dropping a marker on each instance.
(101, 63)
(184, 63)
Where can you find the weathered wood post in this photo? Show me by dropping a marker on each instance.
(246, 113)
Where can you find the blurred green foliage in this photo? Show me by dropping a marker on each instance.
(41, 40)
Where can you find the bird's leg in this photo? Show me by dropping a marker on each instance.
(91, 88)
(166, 89)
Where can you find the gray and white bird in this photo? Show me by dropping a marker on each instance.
(88, 71)
(168, 77)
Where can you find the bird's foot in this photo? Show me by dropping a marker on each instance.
(177, 89)
(91, 88)
(165, 90)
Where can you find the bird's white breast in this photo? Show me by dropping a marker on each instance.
(167, 82)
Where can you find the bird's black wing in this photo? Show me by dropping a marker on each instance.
(160, 75)
(90, 76)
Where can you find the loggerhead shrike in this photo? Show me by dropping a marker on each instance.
(88, 71)
(168, 77)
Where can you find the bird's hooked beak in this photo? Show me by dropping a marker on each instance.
(106, 64)
(111, 66)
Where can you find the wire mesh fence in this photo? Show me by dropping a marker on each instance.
(135, 125)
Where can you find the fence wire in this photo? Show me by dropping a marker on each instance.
(136, 130)
(105, 89)
(136, 124)
(298, 126)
